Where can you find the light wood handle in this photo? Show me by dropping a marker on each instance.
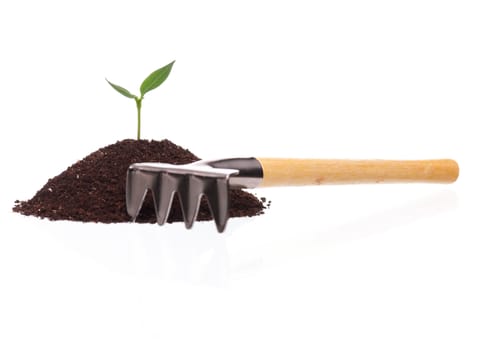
(298, 172)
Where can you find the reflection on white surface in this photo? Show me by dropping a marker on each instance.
(409, 212)
(202, 256)
(170, 252)
(374, 223)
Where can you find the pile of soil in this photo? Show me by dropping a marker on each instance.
(93, 189)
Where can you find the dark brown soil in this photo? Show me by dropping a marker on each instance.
(93, 189)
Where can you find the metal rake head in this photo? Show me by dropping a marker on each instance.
(189, 182)
(209, 178)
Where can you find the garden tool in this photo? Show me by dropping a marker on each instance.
(214, 178)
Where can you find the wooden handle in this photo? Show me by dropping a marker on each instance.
(298, 172)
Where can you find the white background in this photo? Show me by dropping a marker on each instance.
(358, 267)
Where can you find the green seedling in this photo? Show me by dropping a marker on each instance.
(154, 80)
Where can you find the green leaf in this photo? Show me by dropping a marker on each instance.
(121, 90)
(156, 78)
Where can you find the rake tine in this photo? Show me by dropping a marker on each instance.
(190, 195)
(136, 184)
(218, 198)
(167, 185)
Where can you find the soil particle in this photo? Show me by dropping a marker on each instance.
(93, 189)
